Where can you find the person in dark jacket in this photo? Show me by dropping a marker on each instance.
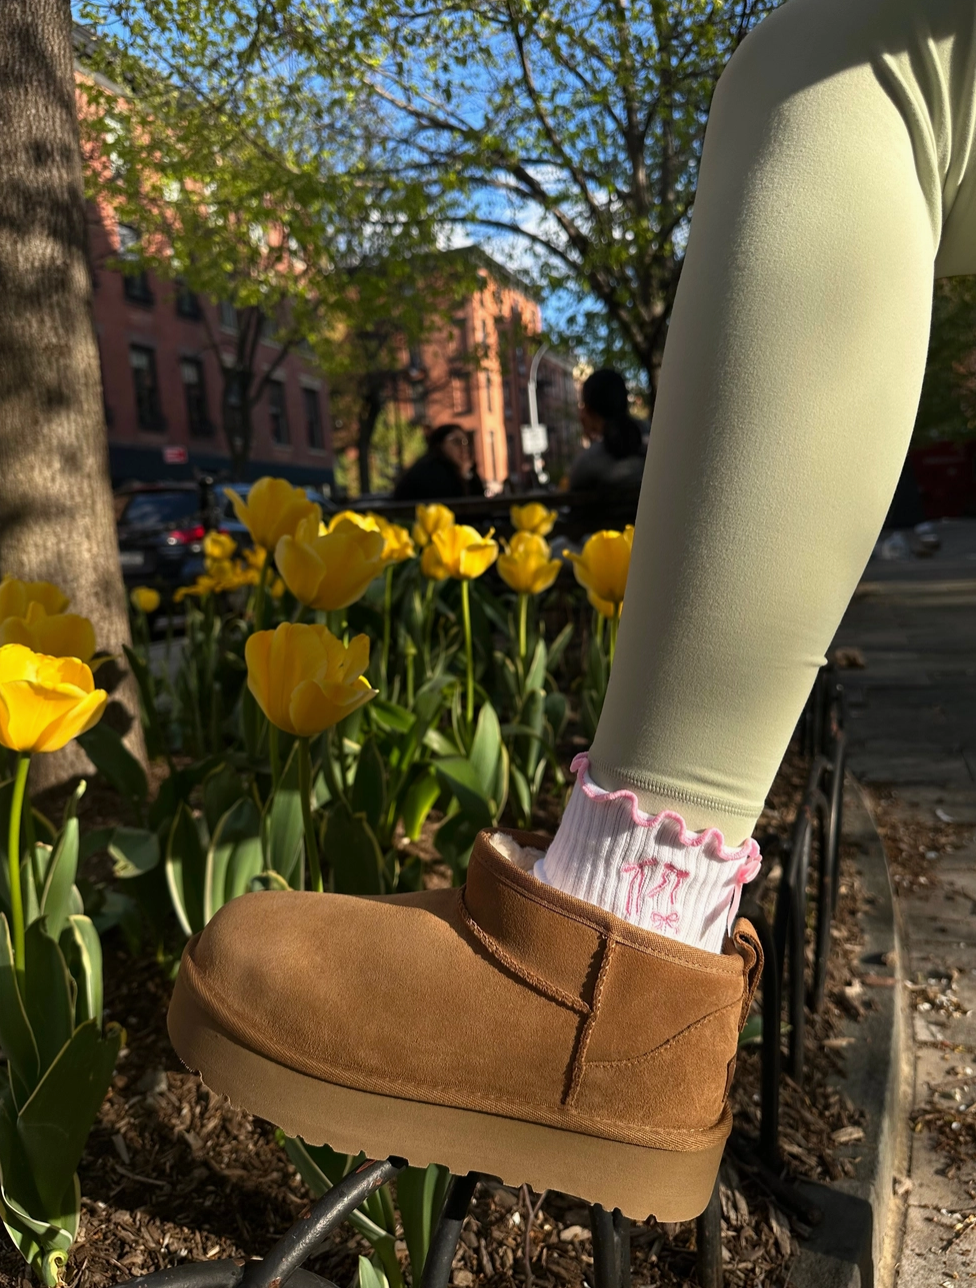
(446, 470)
(615, 456)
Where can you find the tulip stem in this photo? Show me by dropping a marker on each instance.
(13, 861)
(259, 594)
(275, 755)
(468, 654)
(387, 618)
(523, 616)
(614, 623)
(305, 791)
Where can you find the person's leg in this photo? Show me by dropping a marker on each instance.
(838, 137)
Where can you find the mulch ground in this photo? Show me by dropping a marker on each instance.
(172, 1173)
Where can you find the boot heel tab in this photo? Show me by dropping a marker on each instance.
(749, 948)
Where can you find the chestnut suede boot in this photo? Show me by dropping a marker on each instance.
(505, 1028)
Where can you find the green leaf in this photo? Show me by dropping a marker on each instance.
(454, 840)
(559, 646)
(523, 796)
(61, 872)
(134, 851)
(486, 748)
(389, 716)
(82, 952)
(556, 713)
(105, 749)
(235, 855)
(220, 790)
(16, 1036)
(535, 677)
(99, 838)
(319, 1166)
(353, 853)
(533, 718)
(186, 864)
(155, 734)
(458, 776)
(54, 1124)
(419, 801)
(369, 1276)
(420, 1197)
(283, 828)
(254, 727)
(368, 794)
(48, 992)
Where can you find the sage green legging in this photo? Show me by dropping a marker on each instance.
(836, 182)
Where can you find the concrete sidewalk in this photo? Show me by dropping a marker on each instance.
(912, 726)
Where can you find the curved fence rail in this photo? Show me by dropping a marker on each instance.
(789, 990)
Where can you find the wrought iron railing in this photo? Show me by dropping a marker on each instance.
(813, 847)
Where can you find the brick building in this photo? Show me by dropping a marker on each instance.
(163, 386)
(476, 373)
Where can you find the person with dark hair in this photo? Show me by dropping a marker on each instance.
(615, 456)
(446, 470)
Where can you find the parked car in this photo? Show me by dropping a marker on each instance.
(161, 527)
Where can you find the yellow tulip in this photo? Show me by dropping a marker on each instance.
(304, 679)
(58, 635)
(527, 565)
(15, 595)
(602, 567)
(463, 551)
(398, 545)
(431, 519)
(218, 547)
(144, 598)
(533, 517)
(431, 564)
(256, 557)
(273, 510)
(332, 570)
(602, 606)
(368, 522)
(45, 701)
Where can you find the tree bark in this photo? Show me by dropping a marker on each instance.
(57, 520)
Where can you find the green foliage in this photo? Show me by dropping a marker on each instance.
(59, 1061)
(947, 408)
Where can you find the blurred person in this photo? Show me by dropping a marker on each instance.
(615, 456)
(445, 472)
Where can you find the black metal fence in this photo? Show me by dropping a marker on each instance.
(788, 985)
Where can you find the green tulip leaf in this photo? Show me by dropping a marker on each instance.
(353, 853)
(254, 726)
(421, 1192)
(535, 677)
(533, 718)
(370, 1277)
(62, 870)
(155, 734)
(82, 951)
(284, 830)
(134, 851)
(48, 991)
(220, 790)
(16, 1036)
(459, 777)
(419, 801)
(235, 855)
(486, 748)
(368, 794)
(186, 864)
(391, 717)
(108, 753)
(523, 796)
(94, 841)
(556, 713)
(454, 840)
(54, 1123)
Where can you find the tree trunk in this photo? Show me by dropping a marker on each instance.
(372, 406)
(57, 520)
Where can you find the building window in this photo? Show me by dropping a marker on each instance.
(459, 345)
(187, 303)
(195, 390)
(135, 281)
(461, 393)
(135, 287)
(488, 389)
(143, 363)
(228, 315)
(278, 412)
(507, 395)
(313, 418)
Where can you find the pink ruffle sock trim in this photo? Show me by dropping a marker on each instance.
(649, 870)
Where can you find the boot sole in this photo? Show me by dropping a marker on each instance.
(671, 1185)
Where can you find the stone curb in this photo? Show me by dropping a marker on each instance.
(855, 1245)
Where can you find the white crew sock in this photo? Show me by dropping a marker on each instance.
(648, 870)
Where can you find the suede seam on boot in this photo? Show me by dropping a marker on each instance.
(668, 1042)
(541, 985)
(587, 1032)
